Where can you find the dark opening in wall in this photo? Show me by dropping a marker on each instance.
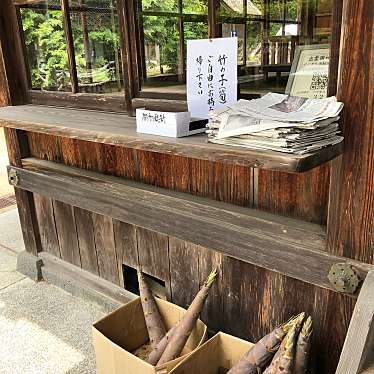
(156, 285)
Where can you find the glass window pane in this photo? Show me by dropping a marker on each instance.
(231, 8)
(276, 9)
(161, 43)
(160, 5)
(254, 40)
(96, 43)
(195, 7)
(238, 30)
(271, 45)
(255, 8)
(46, 46)
(195, 30)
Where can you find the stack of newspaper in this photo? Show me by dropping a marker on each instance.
(278, 122)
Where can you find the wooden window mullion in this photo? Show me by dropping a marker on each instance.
(181, 64)
(70, 45)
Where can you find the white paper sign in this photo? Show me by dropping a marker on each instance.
(211, 74)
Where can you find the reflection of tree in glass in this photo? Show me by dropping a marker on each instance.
(161, 33)
(46, 49)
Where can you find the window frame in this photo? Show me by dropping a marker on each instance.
(132, 54)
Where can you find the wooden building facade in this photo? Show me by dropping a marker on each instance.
(94, 196)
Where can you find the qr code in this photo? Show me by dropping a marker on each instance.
(319, 82)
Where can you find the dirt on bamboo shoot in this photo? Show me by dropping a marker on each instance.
(259, 356)
(187, 323)
(284, 358)
(303, 347)
(157, 352)
(153, 319)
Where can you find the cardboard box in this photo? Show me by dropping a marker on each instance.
(124, 330)
(218, 355)
(171, 124)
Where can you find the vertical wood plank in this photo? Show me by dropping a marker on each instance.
(126, 247)
(229, 183)
(351, 218)
(164, 170)
(17, 147)
(184, 271)
(66, 232)
(46, 223)
(13, 75)
(212, 313)
(153, 251)
(105, 248)
(303, 196)
(45, 147)
(70, 45)
(242, 301)
(86, 240)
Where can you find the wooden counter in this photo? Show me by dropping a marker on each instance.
(97, 197)
(120, 129)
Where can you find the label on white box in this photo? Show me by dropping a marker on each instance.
(164, 123)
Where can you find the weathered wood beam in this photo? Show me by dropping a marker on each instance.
(358, 349)
(70, 46)
(17, 146)
(119, 129)
(13, 77)
(283, 245)
(351, 210)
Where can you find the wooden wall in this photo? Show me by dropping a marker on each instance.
(247, 301)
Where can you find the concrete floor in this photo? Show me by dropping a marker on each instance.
(43, 329)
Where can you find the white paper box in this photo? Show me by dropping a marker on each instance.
(169, 124)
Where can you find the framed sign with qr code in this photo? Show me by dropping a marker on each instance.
(310, 72)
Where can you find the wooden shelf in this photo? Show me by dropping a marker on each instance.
(120, 129)
(262, 239)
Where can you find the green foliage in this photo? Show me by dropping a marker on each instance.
(46, 45)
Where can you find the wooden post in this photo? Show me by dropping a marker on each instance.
(70, 46)
(351, 210)
(213, 26)
(13, 77)
(13, 91)
(357, 356)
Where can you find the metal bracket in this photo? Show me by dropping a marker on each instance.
(343, 278)
(13, 178)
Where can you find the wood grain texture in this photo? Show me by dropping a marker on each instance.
(86, 240)
(303, 196)
(47, 226)
(351, 220)
(358, 349)
(13, 77)
(18, 147)
(265, 240)
(68, 32)
(105, 248)
(126, 247)
(67, 232)
(120, 129)
(184, 271)
(79, 101)
(153, 249)
(212, 313)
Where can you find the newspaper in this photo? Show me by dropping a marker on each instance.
(278, 122)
